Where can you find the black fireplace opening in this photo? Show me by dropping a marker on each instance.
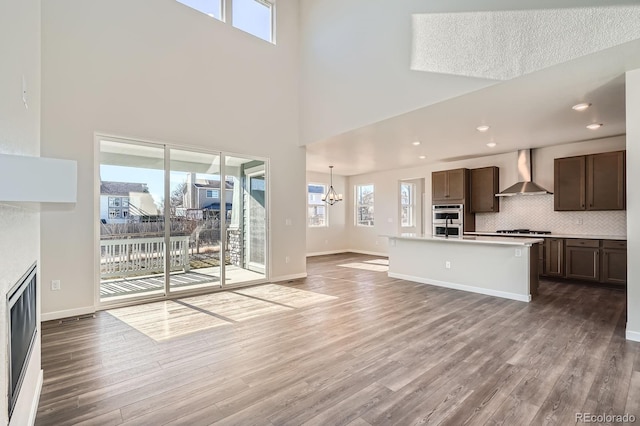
(22, 327)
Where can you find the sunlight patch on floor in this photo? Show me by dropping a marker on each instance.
(165, 320)
(285, 295)
(173, 318)
(369, 266)
(378, 261)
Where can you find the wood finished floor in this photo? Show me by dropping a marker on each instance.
(381, 352)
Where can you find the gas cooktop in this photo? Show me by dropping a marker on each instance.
(522, 231)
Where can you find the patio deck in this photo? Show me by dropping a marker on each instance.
(154, 284)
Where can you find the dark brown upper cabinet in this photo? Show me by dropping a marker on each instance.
(569, 183)
(484, 184)
(449, 185)
(590, 182)
(606, 181)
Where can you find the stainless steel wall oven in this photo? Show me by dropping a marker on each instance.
(448, 219)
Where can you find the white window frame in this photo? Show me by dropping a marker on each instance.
(325, 187)
(228, 14)
(358, 205)
(410, 204)
(222, 10)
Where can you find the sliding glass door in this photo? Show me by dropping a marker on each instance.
(246, 248)
(195, 217)
(176, 221)
(132, 223)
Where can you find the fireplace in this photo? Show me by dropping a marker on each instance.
(22, 321)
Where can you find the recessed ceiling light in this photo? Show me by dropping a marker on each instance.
(491, 144)
(416, 143)
(482, 128)
(594, 126)
(422, 157)
(581, 107)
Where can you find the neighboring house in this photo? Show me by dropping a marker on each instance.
(123, 202)
(201, 198)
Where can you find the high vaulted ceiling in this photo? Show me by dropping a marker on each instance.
(531, 111)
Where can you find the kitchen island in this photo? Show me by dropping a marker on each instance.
(497, 266)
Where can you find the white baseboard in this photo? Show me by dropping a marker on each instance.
(370, 253)
(288, 277)
(48, 316)
(36, 399)
(324, 253)
(472, 289)
(633, 335)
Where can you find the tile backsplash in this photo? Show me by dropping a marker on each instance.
(536, 212)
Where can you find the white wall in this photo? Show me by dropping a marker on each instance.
(633, 204)
(332, 238)
(355, 66)
(160, 71)
(387, 192)
(20, 135)
(356, 58)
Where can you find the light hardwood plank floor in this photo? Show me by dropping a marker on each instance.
(345, 346)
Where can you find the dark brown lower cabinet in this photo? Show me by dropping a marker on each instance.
(583, 260)
(554, 257)
(603, 261)
(614, 262)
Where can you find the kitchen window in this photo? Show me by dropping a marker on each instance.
(407, 204)
(364, 205)
(316, 208)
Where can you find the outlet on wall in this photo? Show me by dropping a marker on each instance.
(447, 264)
(287, 259)
(55, 285)
(518, 252)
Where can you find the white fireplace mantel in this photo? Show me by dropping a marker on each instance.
(37, 179)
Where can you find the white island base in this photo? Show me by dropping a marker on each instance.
(503, 267)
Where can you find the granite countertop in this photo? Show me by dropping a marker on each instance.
(471, 239)
(587, 237)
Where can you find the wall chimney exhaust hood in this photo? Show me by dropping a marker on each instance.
(525, 185)
(37, 179)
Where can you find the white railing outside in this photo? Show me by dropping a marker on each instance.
(138, 256)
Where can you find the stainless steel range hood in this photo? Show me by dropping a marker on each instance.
(525, 185)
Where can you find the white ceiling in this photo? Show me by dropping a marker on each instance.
(531, 111)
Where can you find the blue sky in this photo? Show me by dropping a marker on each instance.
(248, 15)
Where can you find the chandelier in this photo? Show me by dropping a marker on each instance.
(331, 197)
